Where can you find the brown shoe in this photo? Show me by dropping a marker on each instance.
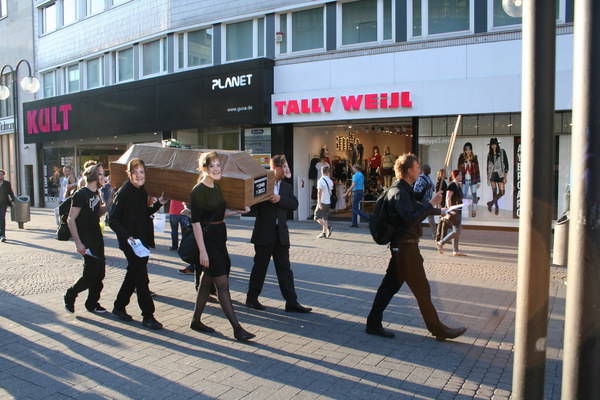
(449, 333)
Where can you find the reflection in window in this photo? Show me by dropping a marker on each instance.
(448, 16)
(239, 41)
(125, 65)
(199, 47)
(93, 71)
(49, 18)
(501, 18)
(69, 11)
(151, 58)
(73, 78)
(307, 30)
(359, 22)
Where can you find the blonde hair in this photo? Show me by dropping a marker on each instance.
(204, 161)
(403, 164)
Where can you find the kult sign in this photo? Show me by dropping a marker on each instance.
(371, 101)
(48, 119)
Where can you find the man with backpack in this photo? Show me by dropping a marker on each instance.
(406, 263)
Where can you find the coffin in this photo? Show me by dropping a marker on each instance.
(174, 172)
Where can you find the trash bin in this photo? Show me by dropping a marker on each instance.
(21, 212)
(560, 247)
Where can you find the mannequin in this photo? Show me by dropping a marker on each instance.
(374, 164)
(387, 167)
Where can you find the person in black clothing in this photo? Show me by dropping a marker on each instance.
(7, 198)
(130, 218)
(271, 238)
(208, 211)
(454, 196)
(440, 185)
(406, 263)
(84, 223)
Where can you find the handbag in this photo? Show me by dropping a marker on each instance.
(332, 194)
(188, 248)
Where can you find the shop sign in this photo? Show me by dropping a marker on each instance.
(232, 81)
(7, 125)
(517, 179)
(260, 186)
(48, 119)
(370, 101)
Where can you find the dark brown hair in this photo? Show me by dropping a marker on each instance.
(403, 164)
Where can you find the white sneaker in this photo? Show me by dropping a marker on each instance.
(2, 239)
(322, 235)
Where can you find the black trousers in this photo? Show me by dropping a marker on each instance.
(94, 270)
(285, 276)
(406, 265)
(136, 279)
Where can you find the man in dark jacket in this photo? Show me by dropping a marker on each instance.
(271, 238)
(7, 198)
(406, 263)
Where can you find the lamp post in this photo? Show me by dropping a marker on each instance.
(31, 85)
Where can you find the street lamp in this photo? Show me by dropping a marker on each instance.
(31, 85)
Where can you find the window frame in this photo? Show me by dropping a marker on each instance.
(425, 23)
(380, 25)
(288, 31)
(255, 38)
(44, 17)
(162, 57)
(185, 49)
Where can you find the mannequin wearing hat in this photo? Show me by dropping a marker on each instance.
(469, 166)
(497, 171)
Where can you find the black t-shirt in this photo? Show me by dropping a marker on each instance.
(207, 204)
(457, 194)
(88, 220)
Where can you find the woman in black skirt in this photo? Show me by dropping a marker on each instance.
(208, 211)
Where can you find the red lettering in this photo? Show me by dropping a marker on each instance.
(395, 100)
(304, 106)
(31, 125)
(279, 105)
(383, 100)
(371, 101)
(55, 127)
(406, 102)
(315, 105)
(292, 107)
(352, 102)
(64, 109)
(327, 102)
(44, 120)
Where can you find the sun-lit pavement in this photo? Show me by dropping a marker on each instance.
(47, 353)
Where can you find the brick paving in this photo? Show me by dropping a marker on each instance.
(46, 353)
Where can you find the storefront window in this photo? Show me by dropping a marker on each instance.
(424, 126)
(307, 30)
(439, 126)
(448, 16)
(94, 73)
(359, 22)
(54, 160)
(469, 125)
(239, 41)
(73, 79)
(502, 124)
(125, 65)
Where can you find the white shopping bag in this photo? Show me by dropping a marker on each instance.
(159, 222)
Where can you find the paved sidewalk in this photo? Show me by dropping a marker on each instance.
(46, 353)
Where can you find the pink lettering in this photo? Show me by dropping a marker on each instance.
(352, 102)
(44, 120)
(292, 107)
(406, 102)
(371, 101)
(315, 106)
(279, 105)
(31, 125)
(64, 109)
(383, 101)
(395, 100)
(304, 106)
(54, 125)
(327, 102)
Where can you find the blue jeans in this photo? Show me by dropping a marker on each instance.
(176, 221)
(357, 196)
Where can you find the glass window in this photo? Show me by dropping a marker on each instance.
(199, 48)
(180, 50)
(515, 121)
(307, 29)
(94, 6)
(94, 71)
(501, 18)
(283, 29)
(486, 125)
(469, 125)
(501, 124)
(49, 18)
(448, 16)
(239, 41)
(125, 65)
(439, 126)
(49, 82)
(424, 126)
(73, 78)
(260, 37)
(151, 58)
(3, 12)
(387, 19)
(69, 11)
(416, 18)
(359, 22)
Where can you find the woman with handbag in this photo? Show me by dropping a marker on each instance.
(454, 197)
(208, 211)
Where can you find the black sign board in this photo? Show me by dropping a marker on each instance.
(230, 94)
(260, 186)
(517, 179)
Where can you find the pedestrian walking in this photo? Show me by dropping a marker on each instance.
(424, 192)
(130, 218)
(84, 223)
(7, 198)
(208, 212)
(68, 183)
(441, 185)
(325, 188)
(358, 191)
(271, 238)
(406, 262)
(454, 196)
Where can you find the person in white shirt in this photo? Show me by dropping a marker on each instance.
(325, 188)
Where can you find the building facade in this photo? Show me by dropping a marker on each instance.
(341, 79)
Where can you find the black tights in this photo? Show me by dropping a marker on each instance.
(222, 284)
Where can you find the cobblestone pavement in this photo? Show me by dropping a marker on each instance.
(46, 353)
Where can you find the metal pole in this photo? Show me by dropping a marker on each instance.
(15, 88)
(535, 224)
(582, 323)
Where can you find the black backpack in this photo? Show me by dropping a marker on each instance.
(63, 233)
(380, 225)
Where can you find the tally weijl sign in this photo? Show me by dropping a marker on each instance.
(339, 106)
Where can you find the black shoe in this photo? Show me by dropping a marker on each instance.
(172, 248)
(152, 323)
(122, 314)
(353, 226)
(379, 331)
(489, 204)
(254, 303)
(297, 308)
(69, 304)
(449, 333)
(97, 309)
(496, 209)
(200, 327)
(242, 335)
